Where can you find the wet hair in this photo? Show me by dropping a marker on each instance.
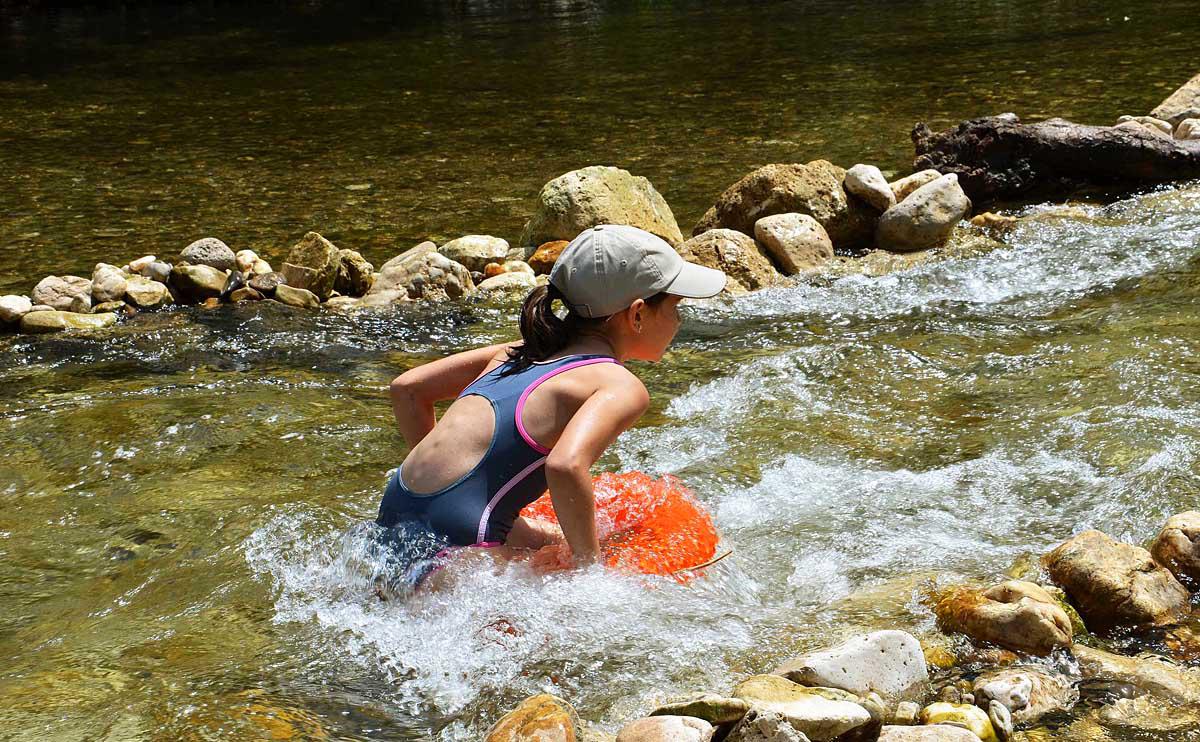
(544, 333)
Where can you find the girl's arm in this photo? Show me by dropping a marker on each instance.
(414, 391)
(597, 423)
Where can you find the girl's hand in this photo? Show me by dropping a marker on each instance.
(553, 558)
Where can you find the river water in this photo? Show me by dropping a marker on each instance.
(176, 489)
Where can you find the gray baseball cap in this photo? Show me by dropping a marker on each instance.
(607, 267)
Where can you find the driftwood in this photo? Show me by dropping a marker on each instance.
(999, 158)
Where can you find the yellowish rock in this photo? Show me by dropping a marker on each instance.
(972, 718)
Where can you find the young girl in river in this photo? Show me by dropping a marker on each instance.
(534, 413)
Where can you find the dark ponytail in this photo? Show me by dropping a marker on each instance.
(545, 333)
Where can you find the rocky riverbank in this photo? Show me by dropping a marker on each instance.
(1028, 658)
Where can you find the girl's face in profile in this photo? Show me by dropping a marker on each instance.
(659, 323)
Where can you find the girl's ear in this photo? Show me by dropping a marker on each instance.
(635, 314)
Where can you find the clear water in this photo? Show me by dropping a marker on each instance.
(176, 491)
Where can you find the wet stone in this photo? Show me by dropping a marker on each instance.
(195, 283)
(267, 283)
(295, 297)
(543, 717)
(235, 281)
(245, 294)
(56, 321)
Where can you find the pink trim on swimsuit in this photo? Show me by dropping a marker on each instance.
(529, 390)
(487, 512)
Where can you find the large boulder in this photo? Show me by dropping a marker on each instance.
(312, 264)
(1177, 547)
(1153, 675)
(1184, 103)
(13, 307)
(820, 713)
(419, 273)
(890, 663)
(581, 199)
(475, 251)
(108, 283)
(926, 218)
(195, 283)
(540, 718)
(814, 189)
(765, 725)
(56, 321)
(145, 293)
(708, 706)
(211, 252)
(867, 182)
(745, 264)
(543, 258)
(1017, 615)
(1028, 693)
(1114, 584)
(797, 242)
(666, 729)
(64, 293)
(354, 274)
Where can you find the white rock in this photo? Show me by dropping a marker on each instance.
(475, 251)
(1149, 122)
(906, 185)
(1188, 129)
(108, 283)
(14, 307)
(926, 218)
(158, 271)
(868, 183)
(666, 729)
(763, 725)
(245, 260)
(141, 265)
(889, 663)
(209, 251)
(64, 293)
(796, 242)
(517, 282)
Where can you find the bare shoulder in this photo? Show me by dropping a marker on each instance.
(620, 382)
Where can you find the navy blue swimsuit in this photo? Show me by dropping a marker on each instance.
(480, 508)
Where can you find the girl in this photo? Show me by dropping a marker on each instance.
(535, 413)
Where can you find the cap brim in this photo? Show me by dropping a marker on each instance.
(696, 282)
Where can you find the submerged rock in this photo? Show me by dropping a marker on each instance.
(797, 242)
(868, 183)
(1114, 584)
(820, 713)
(544, 718)
(475, 251)
(904, 187)
(889, 663)
(57, 321)
(294, 297)
(355, 274)
(765, 725)
(1177, 547)
(708, 706)
(1027, 693)
(1015, 614)
(419, 273)
(543, 258)
(211, 252)
(13, 307)
(666, 729)
(969, 717)
(581, 199)
(814, 189)
(64, 293)
(745, 264)
(1149, 715)
(1154, 675)
(108, 283)
(312, 264)
(196, 283)
(925, 218)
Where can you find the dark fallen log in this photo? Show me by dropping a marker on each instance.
(999, 158)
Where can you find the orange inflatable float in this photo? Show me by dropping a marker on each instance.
(647, 525)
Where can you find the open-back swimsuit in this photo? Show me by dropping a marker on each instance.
(480, 507)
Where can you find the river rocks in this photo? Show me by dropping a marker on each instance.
(141, 265)
(540, 718)
(195, 283)
(666, 729)
(1156, 125)
(1140, 127)
(820, 713)
(889, 663)
(110, 306)
(934, 733)
(1016, 615)
(13, 308)
(159, 271)
(491, 270)
(1146, 715)
(1027, 693)
(581, 199)
(1114, 584)
(797, 242)
(354, 274)
(294, 297)
(1188, 129)
(969, 717)
(814, 189)
(708, 706)
(211, 252)
(868, 183)
(244, 260)
(1177, 547)
(64, 293)
(765, 725)
(904, 187)
(1154, 675)
(266, 283)
(543, 258)
(475, 251)
(312, 264)
(925, 218)
(516, 283)
(246, 293)
(57, 321)
(419, 273)
(1182, 104)
(233, 282)
(740, 257)
(108, 283)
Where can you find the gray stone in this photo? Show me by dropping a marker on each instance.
(1177, 547)
(159, 271)
(797, 242)
(926, 218)
(419, 273)
(890, 663)
(294, 297)
(868, 183)
(904, 187)
(64, 293)
(313, 265)
(354, 274)
(108, 283)
(13, 307)
(765, 725)
(211, 252)
(56, 321)
(475, 251)
(1028, 693)
(746, 265)
(195, 283)
(666, 729)
(581, 199)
